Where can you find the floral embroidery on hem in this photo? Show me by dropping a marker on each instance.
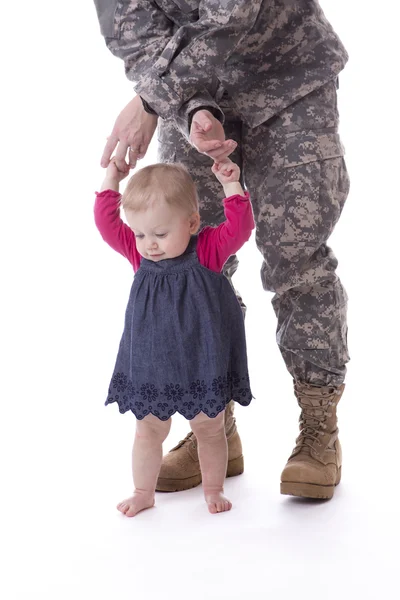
(200, 397)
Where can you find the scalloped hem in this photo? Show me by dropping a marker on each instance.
(164, 400)
(164, 416)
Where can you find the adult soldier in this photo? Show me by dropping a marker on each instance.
(262, 73)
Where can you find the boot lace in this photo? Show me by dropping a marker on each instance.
(312, 420)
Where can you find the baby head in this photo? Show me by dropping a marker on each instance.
(161, 206)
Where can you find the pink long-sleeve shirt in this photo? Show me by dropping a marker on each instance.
(214, 244)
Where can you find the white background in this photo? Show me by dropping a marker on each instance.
(65, 459)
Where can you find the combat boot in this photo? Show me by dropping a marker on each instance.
(180, 469)
(315, 465)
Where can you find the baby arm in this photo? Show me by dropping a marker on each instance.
(217, 244)
(107, 216)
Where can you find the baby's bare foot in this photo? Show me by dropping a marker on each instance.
(218, 503)
(138, 502)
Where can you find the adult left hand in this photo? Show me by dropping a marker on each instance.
(208, 137)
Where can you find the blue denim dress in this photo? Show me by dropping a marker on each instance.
(183, 348)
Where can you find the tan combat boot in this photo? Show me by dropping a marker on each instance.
(315, 465)
(180, 469)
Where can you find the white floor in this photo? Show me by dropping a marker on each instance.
(65, 468)
(65, 459)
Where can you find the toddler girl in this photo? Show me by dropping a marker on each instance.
(183, 347)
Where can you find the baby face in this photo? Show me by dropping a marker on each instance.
(162, 231)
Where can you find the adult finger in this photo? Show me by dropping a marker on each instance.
(120, 155)
(222, 153)
(109, 148)
(134, 155)
(205, 145)
(202, 120)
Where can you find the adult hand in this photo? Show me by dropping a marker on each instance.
(133, 129)
(208, 137)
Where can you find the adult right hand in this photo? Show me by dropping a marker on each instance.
(133, 129)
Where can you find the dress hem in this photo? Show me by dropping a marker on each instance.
(188, 415)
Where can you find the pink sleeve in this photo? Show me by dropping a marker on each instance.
(216, 244)
(112, 229)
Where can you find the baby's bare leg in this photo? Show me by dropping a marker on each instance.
(146, 463)
(213, 455)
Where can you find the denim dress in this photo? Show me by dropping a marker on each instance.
(183, 348)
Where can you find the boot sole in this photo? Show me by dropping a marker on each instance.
(235, 467)
(310, 490)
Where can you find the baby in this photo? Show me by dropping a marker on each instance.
(183, 347)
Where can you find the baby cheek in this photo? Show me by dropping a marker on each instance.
(167, 246)
(140, 247)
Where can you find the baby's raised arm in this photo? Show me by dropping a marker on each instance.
(108, 220)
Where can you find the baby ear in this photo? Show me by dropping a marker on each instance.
(194, 222)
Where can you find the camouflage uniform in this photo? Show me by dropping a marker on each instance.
(294, 168)
(268, 69)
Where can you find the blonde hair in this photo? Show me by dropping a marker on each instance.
(168, 182)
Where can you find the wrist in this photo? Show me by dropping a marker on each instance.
(147, 108)
(110, 183)
(233, 188)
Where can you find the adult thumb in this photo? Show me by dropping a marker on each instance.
(202, 119)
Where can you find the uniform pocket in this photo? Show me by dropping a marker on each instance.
(302, 198)
(315, 188)
(304, 147)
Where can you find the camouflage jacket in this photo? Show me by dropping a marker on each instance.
(182, 54)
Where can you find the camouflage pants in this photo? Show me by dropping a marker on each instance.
(294, 169)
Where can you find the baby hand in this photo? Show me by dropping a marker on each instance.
(113, 176)
(114, 173)
(226, 172)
